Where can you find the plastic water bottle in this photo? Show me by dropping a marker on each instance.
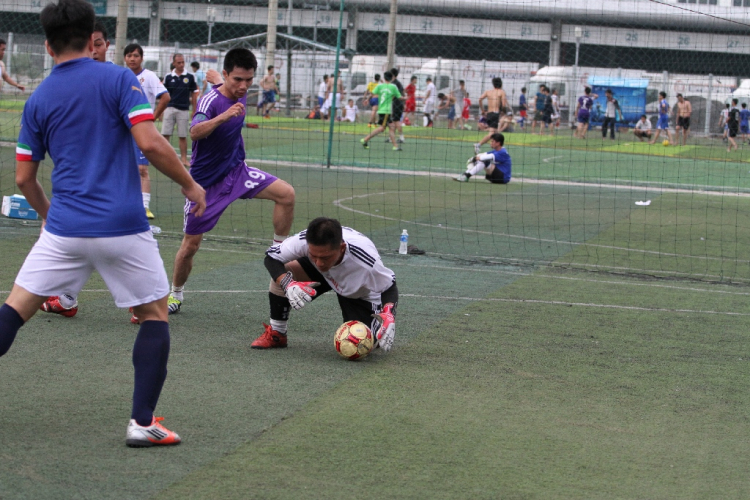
(404, 242)
(155, 229)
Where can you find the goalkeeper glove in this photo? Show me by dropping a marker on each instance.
(386, 332)
(298, 292)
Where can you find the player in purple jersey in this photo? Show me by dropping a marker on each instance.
(583, 112)
(218, 164)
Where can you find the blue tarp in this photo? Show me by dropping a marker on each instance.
(629, 92)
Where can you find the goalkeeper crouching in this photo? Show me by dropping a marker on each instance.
(495, 164)
(327, 257)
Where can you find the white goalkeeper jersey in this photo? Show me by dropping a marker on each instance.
(360, 274)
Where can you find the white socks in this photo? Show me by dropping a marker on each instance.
(146, 199)
(177, 292)
(68, 301)
(475, 168)
(279, 326)
(278, 239)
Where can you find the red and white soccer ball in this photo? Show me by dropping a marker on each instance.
(353, 340)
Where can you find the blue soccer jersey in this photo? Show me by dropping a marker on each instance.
(96, 192)
(502, 161)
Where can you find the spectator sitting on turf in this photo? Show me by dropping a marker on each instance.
(482, 122)
(643, 128)
(495, 164)
(314, 113)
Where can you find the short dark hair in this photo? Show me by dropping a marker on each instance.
(239, 57)
(461, 82)
(3, 42)
(679, 95)
(587, 90)
(175, 55)
(325, 77)
(441, 95)
(99, 26)
(744, 104)
(497, 82)
(270, 67)
(498, 137)
(608, 91)
(388, 76)
(735, 101)
(324, 232)
(428, 79)
(394, 72)
(195, 64)
(412, 78)
(643, 116)
(523, 89)
(377, 77)
(68, 25)
(663, 94)
(133, 47)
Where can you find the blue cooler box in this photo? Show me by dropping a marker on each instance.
(17, 207)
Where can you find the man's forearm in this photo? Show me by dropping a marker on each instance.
(31, 188)
(204, 129)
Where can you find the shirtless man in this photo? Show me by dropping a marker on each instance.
(496, 100)
(268, 83)
(684, 110)
(328, 104)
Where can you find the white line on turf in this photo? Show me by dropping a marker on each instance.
(515, 301)
(339, 203)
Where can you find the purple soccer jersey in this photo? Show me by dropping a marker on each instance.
(218, 164)
(216, 155)
(585, 103)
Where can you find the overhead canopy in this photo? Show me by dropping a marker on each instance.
(257, 41)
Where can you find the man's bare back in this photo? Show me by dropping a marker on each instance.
(495, 99)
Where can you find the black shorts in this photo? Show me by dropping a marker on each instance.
(385, 119)
(683, 122)
(546, 118)
(496, 177)
(493, 120)
(733, 129)
(396, 114)
(351, 309)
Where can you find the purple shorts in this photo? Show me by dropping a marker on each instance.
(242, 182)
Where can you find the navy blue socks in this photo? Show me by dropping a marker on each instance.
(150, 355)
(10, 323)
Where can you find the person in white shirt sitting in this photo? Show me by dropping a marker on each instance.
(643, 128)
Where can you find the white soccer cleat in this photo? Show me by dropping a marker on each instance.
(153, 435)
(462, 178)
(477, 148)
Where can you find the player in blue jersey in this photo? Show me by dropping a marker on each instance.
(495, 164)
(218, 164)
(66, 305)
(95, 220)
(744, 119)
(663, 121)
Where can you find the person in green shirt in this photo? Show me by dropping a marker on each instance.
(386, 93)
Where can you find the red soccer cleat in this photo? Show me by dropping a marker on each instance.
(134, 319)
(269, 340)
(52, 305)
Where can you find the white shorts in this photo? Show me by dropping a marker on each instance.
(172, 116)
(328, 103)
(429, 106)
(130, 266)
